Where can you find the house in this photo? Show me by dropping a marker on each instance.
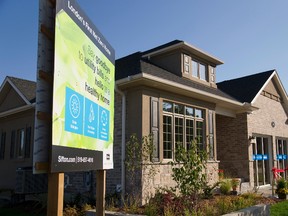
(171, 92)
(250, 144)
(17, 117)
(17, 108)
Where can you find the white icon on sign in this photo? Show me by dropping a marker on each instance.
(104, 118)
(91, 114)
(74, 105)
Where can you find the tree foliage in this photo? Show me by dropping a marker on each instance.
(188, 168)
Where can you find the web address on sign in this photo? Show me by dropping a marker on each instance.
(76, 159)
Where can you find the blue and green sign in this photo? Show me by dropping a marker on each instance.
(83, 93)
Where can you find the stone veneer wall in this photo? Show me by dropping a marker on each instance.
(163, 178)
(232, 145)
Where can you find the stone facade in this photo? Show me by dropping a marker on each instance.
(146, 184)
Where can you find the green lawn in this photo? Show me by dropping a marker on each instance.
(279, 209)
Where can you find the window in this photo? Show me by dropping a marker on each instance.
(199, 70)
(2, 145)
(167, 136)
(181, 125)
(20, 143)
(12, 144)
(281, 153)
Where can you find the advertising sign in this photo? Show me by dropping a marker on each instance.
(83, 93)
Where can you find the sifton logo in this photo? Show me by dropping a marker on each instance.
(107, 156)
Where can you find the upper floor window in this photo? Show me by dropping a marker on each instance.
(199, 70)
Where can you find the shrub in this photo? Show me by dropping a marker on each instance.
(282, 186)
(225, 186)
(208, 190)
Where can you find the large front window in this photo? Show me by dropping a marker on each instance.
(181, 125)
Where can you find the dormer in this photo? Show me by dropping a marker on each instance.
(186, 61)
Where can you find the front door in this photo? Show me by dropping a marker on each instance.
(261, 157)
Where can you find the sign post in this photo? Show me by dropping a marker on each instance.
(100, 192)
(55, 194)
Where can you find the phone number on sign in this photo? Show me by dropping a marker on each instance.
(77, 159)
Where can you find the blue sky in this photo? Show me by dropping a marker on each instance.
(249, 36)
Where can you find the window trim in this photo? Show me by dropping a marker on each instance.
(185, 117)
(198, 76)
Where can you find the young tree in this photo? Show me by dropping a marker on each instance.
(188, 169)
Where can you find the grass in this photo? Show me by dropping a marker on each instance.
(279, 209)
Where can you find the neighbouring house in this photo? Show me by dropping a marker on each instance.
(17, 108)
(171, 93)
(17, 116)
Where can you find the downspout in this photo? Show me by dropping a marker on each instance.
(123, 134)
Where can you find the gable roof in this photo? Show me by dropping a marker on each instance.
(26, 91)
(25, 88)
(245, 89)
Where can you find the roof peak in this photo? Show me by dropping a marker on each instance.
(245, 88)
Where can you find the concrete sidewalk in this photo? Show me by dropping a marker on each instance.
(266, 191)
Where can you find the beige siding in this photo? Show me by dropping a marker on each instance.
(9, 165)
(13, 100)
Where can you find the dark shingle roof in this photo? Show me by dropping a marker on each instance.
(26, 87)
(135, 64)
(245, 88)
(163, 46)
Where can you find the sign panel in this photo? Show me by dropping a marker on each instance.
(83, 93)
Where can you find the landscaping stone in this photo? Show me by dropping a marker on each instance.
(257, 210)
(109, 213)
